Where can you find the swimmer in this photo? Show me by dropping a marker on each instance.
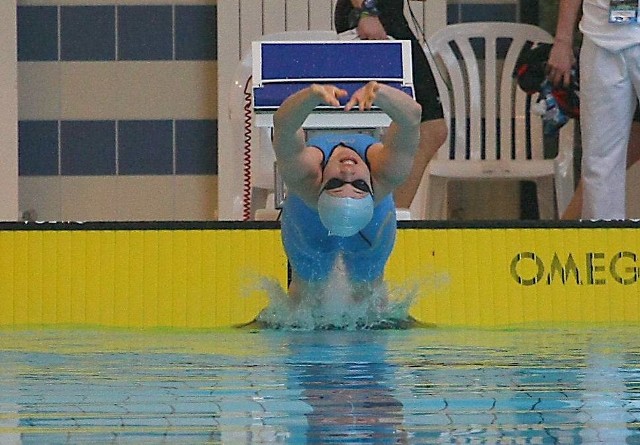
(339, 205)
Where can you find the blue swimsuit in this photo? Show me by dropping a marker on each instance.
(312, 252)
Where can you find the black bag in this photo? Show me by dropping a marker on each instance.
(530, 73)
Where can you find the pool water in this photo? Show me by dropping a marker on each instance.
(418, 386)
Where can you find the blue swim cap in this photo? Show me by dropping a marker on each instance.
(344, 216)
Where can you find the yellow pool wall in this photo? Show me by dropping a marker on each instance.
(209, 276)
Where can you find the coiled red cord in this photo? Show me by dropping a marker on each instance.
(246, 154)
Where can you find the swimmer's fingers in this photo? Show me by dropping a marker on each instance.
(363, 97)
(329, 94)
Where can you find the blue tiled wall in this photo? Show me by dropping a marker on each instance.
(195, 36)
(140, 148)
(111, 33)
(89, 33)
(145, 33)
(145, 147)
(37, 33)
(39, 148)
(197, 151)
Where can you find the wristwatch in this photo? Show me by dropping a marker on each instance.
(369, 7)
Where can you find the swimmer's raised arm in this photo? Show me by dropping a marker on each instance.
(392, 163)
(288, 138)
(298, 164)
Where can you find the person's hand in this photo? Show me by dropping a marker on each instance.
(370, 28)
(329, 94)
(363, 97)
(560, 63)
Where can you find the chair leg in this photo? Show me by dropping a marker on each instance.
(418, 208)
(545, 192)
(564, 192)
(437, 199)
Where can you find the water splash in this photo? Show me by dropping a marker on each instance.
(385, 307)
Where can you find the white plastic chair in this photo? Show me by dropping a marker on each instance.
(493, 134)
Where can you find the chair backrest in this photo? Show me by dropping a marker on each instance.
(489, 115)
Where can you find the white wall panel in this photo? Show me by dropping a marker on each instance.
(274, 15)
(41, 197)
(8, 113)
(321, 14)
(42, 102)
(297, 15)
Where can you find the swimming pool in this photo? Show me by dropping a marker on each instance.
(569, 385)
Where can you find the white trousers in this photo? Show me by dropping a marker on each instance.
(609, 86)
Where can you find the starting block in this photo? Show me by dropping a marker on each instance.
(281, 68)
(278, 66)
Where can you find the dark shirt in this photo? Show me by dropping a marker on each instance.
(395, 24)
(391, 16)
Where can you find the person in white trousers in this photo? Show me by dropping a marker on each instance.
(609, 91)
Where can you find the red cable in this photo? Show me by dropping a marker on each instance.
(246, 154)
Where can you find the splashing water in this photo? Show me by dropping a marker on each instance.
(386, 307)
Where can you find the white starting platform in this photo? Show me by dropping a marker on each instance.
(282, 68)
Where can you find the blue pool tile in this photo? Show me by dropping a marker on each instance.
(470, 404)
(196, 32)
(426, 404)
(88, 33)
(98, 421)
(38, 148)
(206, 420)
(149, 413)
(432, 419)
(523, 403)
(471, 418)
(37, 33)
(145, 33)
(145, 147)
(185, 406)
(196, 147)
(88, 147)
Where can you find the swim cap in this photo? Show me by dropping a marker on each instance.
(344, 216)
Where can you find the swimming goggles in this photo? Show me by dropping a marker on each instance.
(359, 184)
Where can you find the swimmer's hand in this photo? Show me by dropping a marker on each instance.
(328, 94)
(363, 97)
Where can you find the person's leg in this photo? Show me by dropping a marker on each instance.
(607, 102)
(432, 135)
(574, 209)
(633, 151)
(433, 128)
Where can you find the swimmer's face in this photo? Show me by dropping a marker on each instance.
(346, 175)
